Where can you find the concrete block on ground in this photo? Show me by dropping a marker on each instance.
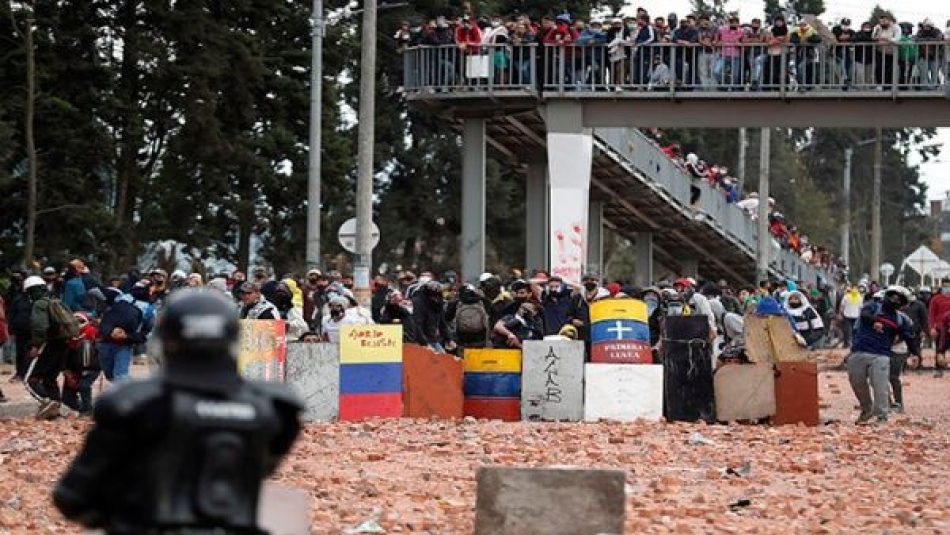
(623, 392)
(549, 501)
(744, 391)
(552, 381)
(796, 393)
(313, 371)
(432, 383)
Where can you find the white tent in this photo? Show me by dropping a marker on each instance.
(924, 263)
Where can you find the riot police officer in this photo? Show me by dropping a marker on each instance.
(185, 451)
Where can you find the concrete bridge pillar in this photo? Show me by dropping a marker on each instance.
(473, 199)
(536, 215)
(690, 268)
(570, 153)
(643, 249)
(595, 238)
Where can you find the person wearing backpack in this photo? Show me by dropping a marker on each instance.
(123, 326)
(471, 319)
(82, 366)
(51, 326)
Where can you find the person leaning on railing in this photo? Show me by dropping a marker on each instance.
(686, 37)
(755, 51)
(777, 37)
(928, 63)
(887, 35)
(907, 53)
(806, 40)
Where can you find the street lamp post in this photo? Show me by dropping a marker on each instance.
(316, 143)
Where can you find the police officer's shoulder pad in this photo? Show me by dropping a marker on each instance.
(278, 392)
(125, 399)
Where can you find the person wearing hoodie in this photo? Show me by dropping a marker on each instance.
(429, 312)
(807, 321)
(124, 325)
(878, 328)
(289, 311)
(939, 321)
(395, 311)
(556, 302)
(74, 291)
(595, 39)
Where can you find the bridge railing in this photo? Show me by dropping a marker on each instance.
(779, 71)
(471, 68)
(647, 158)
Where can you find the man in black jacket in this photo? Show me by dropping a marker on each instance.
(123, 326)
(428, 311)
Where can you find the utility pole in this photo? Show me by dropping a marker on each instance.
(367, 129)
(30, 141)
(876, 209)
(764, 250)
(846, 213)
(316, 142)
(743, 147)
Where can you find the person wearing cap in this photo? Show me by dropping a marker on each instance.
(878, 328)
(47, 349)
(254, 305)
(578, 314)
(497, 299)
(929, 61)
(697, 302)
(844, 50)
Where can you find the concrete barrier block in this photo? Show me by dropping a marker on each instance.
(313, 371)
(552, 381)
(549, 501)
(432, 383)
(623, 392)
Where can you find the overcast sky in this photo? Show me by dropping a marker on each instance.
(936, 173)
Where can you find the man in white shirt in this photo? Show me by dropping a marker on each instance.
(887, 35)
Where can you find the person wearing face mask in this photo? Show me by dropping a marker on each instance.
(728, 70)
(863, 55)
(653, 300)
(428, 309)
(394, 311)
(316, 297)
(917, 312)
(512, 330)
(707, 52)
(336, 309)
(776, 39)
(578, 314)
(380, 291)
(685, 38)
(805, 318)
(844, 50)
(929, 62)
(556, 302)
(939, 321)
(879, 326)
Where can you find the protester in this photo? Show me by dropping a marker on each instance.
(879, 325)
(255, 305)
(512, 330)
(939, 323)
(471, 319)
(333, 320)
(396, 311)
(47, 346)
(126, 323)
(807, 321)
(82, 366)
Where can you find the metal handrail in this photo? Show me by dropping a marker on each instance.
(666, 69)
(471, 68)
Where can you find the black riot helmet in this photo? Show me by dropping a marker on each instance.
(198, 331)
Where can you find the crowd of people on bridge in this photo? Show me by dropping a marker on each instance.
(718, 177)
(68, 326)
(691, 52)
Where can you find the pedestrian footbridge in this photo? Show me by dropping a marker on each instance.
(568, 117)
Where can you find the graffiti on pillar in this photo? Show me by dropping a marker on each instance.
(569, 251)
